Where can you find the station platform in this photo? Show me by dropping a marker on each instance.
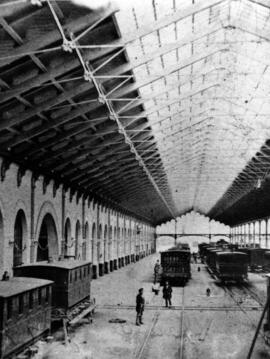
(220, 326)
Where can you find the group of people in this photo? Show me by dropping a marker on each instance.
(140, 301)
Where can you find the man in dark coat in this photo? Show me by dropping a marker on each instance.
(139, 307)
(167, 294)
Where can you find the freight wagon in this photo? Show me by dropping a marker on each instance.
(255, 257)
(232, 266)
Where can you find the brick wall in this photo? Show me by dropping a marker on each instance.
(38, 201)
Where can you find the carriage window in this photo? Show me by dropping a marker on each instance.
(20, 304)
(75, 275)
(70, 277)
(9, 308)
(31, 300)
(84, 272)
(39, 296)
(80, 273)
(88, 269)
(47, 295)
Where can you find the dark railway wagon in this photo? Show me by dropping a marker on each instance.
(232, 266)
(25, 313)
(255, 257)
(72, 280)
(175, 265)
(266, 264)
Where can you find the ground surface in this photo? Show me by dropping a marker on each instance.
(217, 327)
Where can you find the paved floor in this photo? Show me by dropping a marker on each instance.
(217, 327)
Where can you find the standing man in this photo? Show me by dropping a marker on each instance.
(167, 294)
(139, 307)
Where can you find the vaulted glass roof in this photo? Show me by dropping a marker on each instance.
(203, 74)
(158, 107)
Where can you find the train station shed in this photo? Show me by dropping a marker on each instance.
(118, 118)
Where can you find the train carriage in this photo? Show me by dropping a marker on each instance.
(175, 265)
(71, 287)
(232, 266)
(25, 313)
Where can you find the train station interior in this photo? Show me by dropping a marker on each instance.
(134, 154)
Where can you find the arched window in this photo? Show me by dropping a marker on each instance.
(20, 235)
(67, 236)
(77, 239)
(86, 232)
(47, 240)
(94, 232)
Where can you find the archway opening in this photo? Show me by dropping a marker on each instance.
(86, 242)
(77, 239)
(105, 242)
(67, 236)
(47, 240)
(20, 234)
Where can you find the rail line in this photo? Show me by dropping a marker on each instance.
(253, 294)
(242, 308)
(139, 353)
(187, 308)
(182, 333)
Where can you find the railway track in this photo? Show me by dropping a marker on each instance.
(182, 332)
(252, 294)
(141, 353)
(242, 308)
(187, 308)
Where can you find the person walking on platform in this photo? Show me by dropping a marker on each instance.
(167, 294)
(156, 270)
(139, 307)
